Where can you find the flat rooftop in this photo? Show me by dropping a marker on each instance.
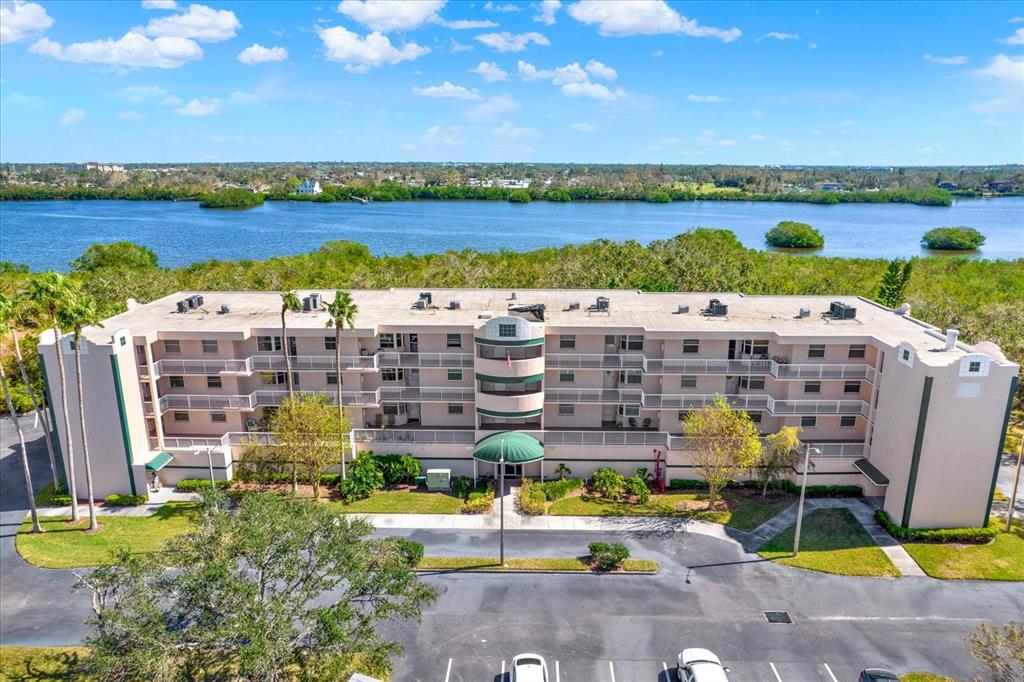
(629, 312)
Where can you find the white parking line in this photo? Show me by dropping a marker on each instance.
(611, 669)
(558, 677)
(448, 673)
(777, 676)
(829, 671)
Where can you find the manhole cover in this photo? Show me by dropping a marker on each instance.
(778, 617)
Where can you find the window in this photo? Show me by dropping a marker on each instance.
(209, 347)
(455, 375)
(755, 383)
(213, 381)
(567, 376)
(691, 345)
(632, 376)
(755, 417)
(507, 330)
(631, 343)
(566, 410)
(171, 346)
(759, 347)
(332, 378)
(816, 351)
(393, 408)
(453, 341)
(455, 408)
(268, 344)
(851, 387)
(181, 416)
(629, 410)
(847, 421)
(974, 367)
(273, 378)
(177, 382)
(567, 341)
(808, 422)
(330, 343)
(687, 381)
(812, 387)
(857, 350)
(218, 417)
(683, 414)
(390, 340)
(906, 355)
(393, 374)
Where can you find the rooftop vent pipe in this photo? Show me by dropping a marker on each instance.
(951, 336)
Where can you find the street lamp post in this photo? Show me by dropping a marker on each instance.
(803, 491)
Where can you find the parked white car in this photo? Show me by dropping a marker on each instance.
(529, 668)
(700, 665)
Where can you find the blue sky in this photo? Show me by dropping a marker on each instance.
(572, 81)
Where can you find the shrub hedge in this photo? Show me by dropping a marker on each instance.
(782, 486)
(965, 535)
(116, 500)
(608, 556)
(480, 502)
(194, 485)
(532, 500)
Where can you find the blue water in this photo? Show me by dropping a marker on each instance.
(50, 234)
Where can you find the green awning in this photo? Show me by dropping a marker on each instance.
(510, 380)
(159, 461)
(495, 413)
(514, 447)
(871, 472)
(509, 342)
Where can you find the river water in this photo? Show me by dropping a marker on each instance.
(50, 234)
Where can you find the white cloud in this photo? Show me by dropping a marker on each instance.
(812, 46)
(994, 123)
(508, 131)
(930, 149)
(200, 107)
(490, 72)
(1016, 20)
(360, 54)
(512, 42)
(574, 79)
(448, 90)
(1016, 38)
(455, 47)
(71, 117)
(129, 115)
(834, 153)
(506, 7)
(707, 99)
(435, 134)
(391, 15)
(198, 22)
(493, 109)
(708, 138)
(257, 54)
(847, 123)
(239, 97)
(1004, 68)
(643, 17)
(18, 98)
(137, 94)
(21, 20)
(777, 35)
(583, 127)
(955, 60)
(662, 143)
(131, 51)
(530, 73)
(546, 11)
(159, 4)
(599, 70)
(592, 90)
(756, 137)
(462, 24)
(658, 53)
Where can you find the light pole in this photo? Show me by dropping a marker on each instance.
(1016, 480)
(501, 504)
(803, 490)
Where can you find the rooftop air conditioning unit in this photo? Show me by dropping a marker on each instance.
(804, 312)
(454, 305)
(574, 305)
(420, 304)
(841, 311)
(427, 297)
(306, 304)
(682, 309)
(183, 306)
(512, 297)
(717, 309)
(315, 300)
(225, 308)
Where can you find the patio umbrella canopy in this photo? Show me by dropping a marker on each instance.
(518, 448)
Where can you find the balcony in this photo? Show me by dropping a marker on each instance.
(175, 401)
(422, 436)
(274, 362)
(720, 367)
(690, 401)
(391, 359)
(510, 369)
(610, 396)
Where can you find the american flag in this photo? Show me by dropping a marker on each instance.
(508, 359)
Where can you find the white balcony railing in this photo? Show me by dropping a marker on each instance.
(274, 362)
(213, 401)
(615, 396)
(419, 436)
(688, 401)
(726, 367)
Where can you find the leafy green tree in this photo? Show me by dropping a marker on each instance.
(892, 291)
(637, 486)
(364, 476)
(342, 311)
(608, 483)
(519, 196)
(126, 255)
(278, 589)
(307, 428)
(725, 443)
(780, 452)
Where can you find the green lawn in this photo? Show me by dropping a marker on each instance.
(1000, 559)
(925, 677)
(39, 664)
(63, 545)
(403, 502)
(832, 541)
(573, 564)
(744, 513)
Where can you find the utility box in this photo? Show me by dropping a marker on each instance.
(439, 479)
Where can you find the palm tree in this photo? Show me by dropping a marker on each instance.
(5, 311)
(10, 308)
(80, 313)
(343, 311)
(50, 292)
(289, 302)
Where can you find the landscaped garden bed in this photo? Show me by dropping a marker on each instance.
(404, 500)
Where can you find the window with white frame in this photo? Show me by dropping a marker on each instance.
(691, 345)
(273, 378)
(816, 350)
(214, 381)
(567, 341)
(172, 346)
(631, 376)
(218, 417)
(857, 350)
(455, 375)
(332, 379)
(755, 383)
(210, 347)
(566, 409)
(390, 340)
(393, 408)
(755, 417)
(330, 343)
(176, 382)
(812, 387)
(453, 341)
(631, 343)
(181, 416)
(267, 344)
(566, 376)
(630, 410)
(851, 387)
(808, 422)
(755, 347)
(392, 374)
(506, 330)
(848, 421)
(688, 381)
(455, 408)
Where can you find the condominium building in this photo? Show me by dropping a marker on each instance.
(595, 378)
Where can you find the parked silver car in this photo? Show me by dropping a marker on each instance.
(700, 665)
(529, 668)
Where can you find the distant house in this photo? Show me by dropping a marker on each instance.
(999, 186)
(831, 186)
(947, 185)
(309, 187)
(105, 167)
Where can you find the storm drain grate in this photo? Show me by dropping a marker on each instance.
(777, 617)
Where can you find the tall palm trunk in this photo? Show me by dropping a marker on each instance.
(291, 389)
(93, 525)
(24, 453)
(38, 406)
(341, 411)
(72, 485)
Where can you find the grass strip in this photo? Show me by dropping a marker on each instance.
(1000, 559)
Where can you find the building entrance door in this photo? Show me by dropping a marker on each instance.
(513, 470)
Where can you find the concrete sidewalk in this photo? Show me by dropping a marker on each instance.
(147, 509)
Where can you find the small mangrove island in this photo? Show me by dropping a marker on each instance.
(957, 238)
(789, 234)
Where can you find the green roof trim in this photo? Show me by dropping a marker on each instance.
(115, 367)
(514, 447)
(510, 380)
(871, 472)
(509, 342)
(495, 413)
(158, 462)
